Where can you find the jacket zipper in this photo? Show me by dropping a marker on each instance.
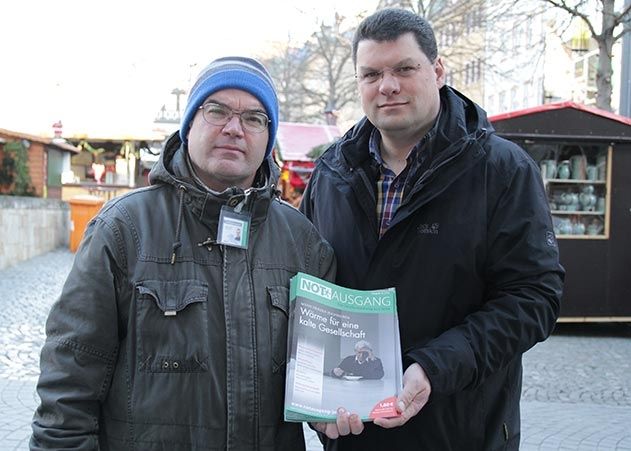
(366, 184)
(249, 197)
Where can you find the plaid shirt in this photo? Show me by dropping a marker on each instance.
(390, 187)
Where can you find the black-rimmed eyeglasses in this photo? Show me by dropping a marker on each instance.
(218, 114)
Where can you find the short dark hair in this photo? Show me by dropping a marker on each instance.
(389, 23)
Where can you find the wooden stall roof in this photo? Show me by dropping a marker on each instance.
(50, 142)
(295, 140)
(118, 137)
(564, 120)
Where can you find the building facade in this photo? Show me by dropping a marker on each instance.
(508, 55)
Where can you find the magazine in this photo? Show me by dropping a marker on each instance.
(343, 350)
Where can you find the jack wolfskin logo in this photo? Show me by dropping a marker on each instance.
(428, 229)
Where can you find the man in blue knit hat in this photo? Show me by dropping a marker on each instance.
(171, 329)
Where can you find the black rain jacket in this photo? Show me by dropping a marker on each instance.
(472, 254)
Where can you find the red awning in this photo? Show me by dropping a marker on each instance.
(560, 106)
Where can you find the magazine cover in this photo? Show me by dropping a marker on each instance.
(344, 351)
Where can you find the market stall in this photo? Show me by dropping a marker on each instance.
(584, 155)
(297, 146)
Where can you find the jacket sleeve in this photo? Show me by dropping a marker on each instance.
(327, 262)
(81, 346)
(306, 204)
(322, 251)
(523, 280)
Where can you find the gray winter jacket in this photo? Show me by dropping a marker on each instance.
(163, 340)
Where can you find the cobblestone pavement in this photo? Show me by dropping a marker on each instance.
(576, 395)
(27, 291)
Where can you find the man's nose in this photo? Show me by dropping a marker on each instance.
(233, 127)
(389, 84)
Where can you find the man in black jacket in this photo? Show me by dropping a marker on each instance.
(423, 196)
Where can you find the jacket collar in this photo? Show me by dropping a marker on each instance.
(460, 119)
(454, 148)
(173, 169)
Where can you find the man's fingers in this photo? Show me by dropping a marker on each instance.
(356, 424)
(388, 423)
(331, 431)
(407, 412)
(328, 429)
(342, 422)
(320, 427)
(411, 389)
(345, 424)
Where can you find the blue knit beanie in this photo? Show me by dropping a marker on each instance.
(233, 72)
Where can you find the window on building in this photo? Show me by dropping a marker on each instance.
(529, 31)
(502, 102)
(58, 162)
(449, 78)
(590, 96)
(514, 103)
(592, 68)
(491, 103)
(472, 72)
(451, 33)
(473, 19)
(578, 68)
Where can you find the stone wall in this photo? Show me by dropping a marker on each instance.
(30, 226)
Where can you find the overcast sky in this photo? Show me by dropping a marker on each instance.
(109, 66)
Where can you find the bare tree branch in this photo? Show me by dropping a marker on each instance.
(573, 11)
(609, 21)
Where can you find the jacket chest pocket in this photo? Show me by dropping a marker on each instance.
(172, 326)
(279, 307)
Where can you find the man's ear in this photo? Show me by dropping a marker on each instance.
(439, 70)
(188, 132)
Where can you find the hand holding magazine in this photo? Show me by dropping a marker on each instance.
(344, 351)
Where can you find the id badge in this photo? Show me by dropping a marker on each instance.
(234, 228)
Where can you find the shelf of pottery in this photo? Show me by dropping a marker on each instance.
(577, 194)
